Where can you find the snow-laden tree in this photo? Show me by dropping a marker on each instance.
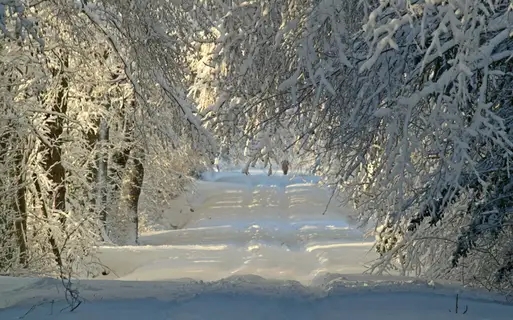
(34, 106)
(408, 112)
(84, 132)
(152, 40)
(247, 54)
(442, 134)
(417, 132)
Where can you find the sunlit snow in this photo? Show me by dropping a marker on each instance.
(255, 247)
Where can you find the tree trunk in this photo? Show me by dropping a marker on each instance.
(132, 186)
(51, 239)
(7, 252)
(120, 158)
(52, 159)
(98, 174)
(11, 149)
(20, 206)
(102, 175)
(92, 141)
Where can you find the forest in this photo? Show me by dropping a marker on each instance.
(111, 108)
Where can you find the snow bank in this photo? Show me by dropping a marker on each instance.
(252, 297)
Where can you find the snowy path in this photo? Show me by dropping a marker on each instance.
(273, 227)
(267, 251)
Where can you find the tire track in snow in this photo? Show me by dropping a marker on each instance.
(268, 226)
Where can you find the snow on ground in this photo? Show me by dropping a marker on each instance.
(252, 247)
(251, 297)
(275, 227)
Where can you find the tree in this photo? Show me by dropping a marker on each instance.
(80, 126)
(409, 113)
(250, 51)
(442, 122)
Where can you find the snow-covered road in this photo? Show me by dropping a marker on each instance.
(278, 227)
(267, 251)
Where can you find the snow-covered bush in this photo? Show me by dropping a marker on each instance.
(166, 179)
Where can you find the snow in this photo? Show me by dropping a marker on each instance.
(241, 225)
(253, 247)
(382, 112)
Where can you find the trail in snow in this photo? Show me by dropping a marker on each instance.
(276, 227)
(248, 232)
